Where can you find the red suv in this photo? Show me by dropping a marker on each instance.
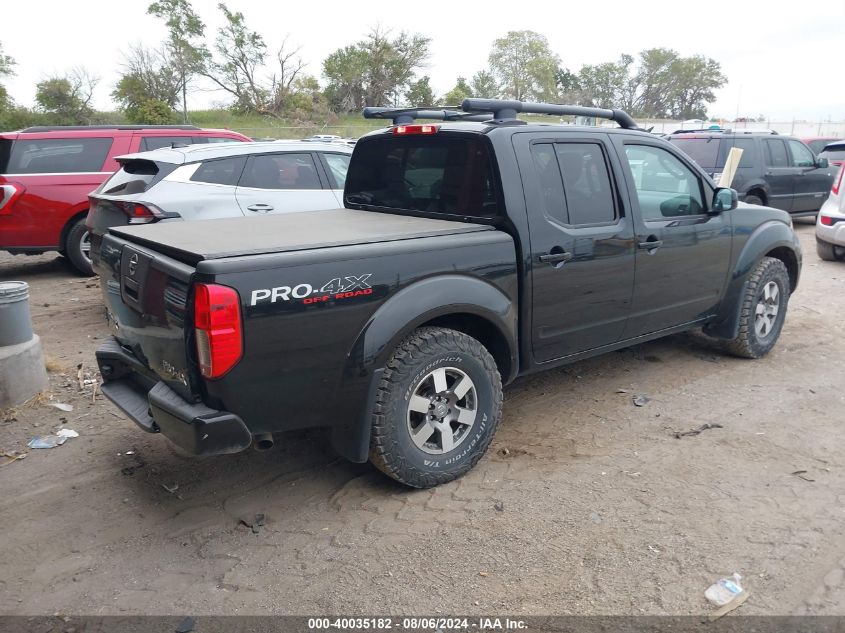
(46, 174)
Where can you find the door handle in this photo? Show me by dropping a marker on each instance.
(555, 258)
(260, 207)
(651, 245)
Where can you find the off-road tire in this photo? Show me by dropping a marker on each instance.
(427, 349)
(827, 251)
(749, 344)
(753, 198)
(73, 248)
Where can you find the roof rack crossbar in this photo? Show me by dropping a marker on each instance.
(505, 110)
(66, 128)
(404, 116)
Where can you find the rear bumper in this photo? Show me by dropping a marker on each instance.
(156, 408)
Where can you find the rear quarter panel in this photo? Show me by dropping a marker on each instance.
(309, 358)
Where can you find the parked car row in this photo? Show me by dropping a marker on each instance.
(777, 171)
(163, 172)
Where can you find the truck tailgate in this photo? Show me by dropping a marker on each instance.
(147, 300)
(192, 242)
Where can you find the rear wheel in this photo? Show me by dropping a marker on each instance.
(437, 408)
(753, 198)
(762, 311)
(829, 252)
(77, 248)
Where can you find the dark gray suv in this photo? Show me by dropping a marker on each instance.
(776, 171)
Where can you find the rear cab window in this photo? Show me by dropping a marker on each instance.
(221, 171)
(444, 174)
(54, 155)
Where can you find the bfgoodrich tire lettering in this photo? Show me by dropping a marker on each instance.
(77, 248)
(459, 379)
(763, 310)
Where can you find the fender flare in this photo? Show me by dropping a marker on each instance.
(405, 311)
(757, 183)
(769, 236)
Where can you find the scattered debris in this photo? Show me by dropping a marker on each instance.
(483, 574)
(802, 474)
(61, 406)
(595, 517)
(696, 431)
(641, 401)
(621, 391)
(47, 441)
(186, 625)
(499, 506)
(128, 471)
(724, 591)
(653, 549)
(255, 523)
(80, 377)
(12, 457)
(729, 607)
(504, 452)
(172, 488)
(67, 433)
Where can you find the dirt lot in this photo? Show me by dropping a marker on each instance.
(602, 509)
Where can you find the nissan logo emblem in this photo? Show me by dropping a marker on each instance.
(133, 264)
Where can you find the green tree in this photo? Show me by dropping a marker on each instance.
(7, 69)
(457, 94)
(420, 93)
(153, 112)
(185, 30)
(148, 76)
(375, 71)
(67, 99)
(696, 80)
(525, 66)
(603, 85)
(483, 85)
(238, 66)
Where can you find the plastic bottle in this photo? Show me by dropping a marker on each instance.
(724, 591)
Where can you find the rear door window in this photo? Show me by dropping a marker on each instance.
(281, 171)
(149, 143)
(443, 174)
(776, 153)
(224, 171)
(749, 152)
(704, 150)
(214, 139)
(337, 166)
(57, 156)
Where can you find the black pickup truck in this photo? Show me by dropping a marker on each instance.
(472, 250)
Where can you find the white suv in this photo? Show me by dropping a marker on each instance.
(830, 224)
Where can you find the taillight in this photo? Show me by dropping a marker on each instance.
(826, 220)
(217, 319)
(837, 184)
(139, 213)
(415, 129)
(9, 193)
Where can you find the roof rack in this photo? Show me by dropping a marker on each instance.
(726, 130)
(404, 116)
(505, 111)
(68, 128)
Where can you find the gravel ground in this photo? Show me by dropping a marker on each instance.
(585, 503)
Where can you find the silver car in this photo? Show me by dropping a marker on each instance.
(830, 223)
(201, 182)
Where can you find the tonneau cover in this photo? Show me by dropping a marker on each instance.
(231, 237)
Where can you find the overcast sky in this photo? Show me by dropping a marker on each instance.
(782, 59)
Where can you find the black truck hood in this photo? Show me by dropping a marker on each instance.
(192, 242)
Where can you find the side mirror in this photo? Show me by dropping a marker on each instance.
(724, 199)
(822, 163)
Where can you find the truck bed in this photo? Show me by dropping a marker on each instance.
(192, 242)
